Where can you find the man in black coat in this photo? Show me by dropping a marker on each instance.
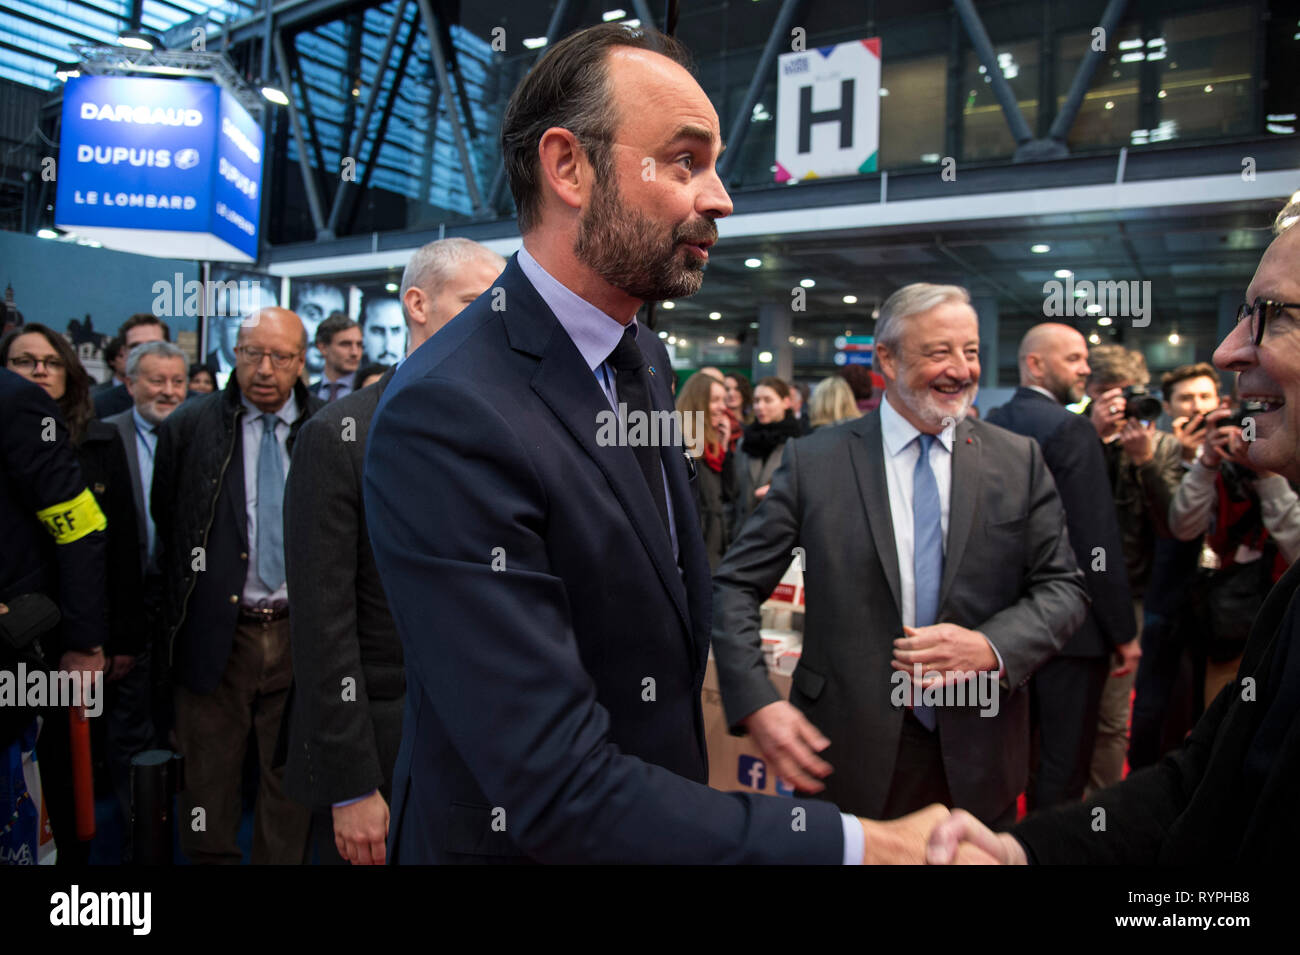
(218, 491)
(1227, 796)
(1065, 693)
(342, 745)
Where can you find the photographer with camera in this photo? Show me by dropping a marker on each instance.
(1248, 520)
(1144, 467)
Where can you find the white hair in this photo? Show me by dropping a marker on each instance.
(161, 349)
(431, 265)
(908, 301)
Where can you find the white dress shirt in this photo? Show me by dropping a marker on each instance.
(255, 592)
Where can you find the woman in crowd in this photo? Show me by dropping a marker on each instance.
(202, 381)
(832, 401)
(706, 426)
(43, 356)
(740, 395)
(764, 441)
(859, 381)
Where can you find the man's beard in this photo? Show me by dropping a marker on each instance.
(928, 409)
(629, 251)
(1065, 390)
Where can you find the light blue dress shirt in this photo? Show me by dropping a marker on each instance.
(146, 441)
(255, 592)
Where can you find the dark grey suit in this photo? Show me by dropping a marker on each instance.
(341, 745)
(1009, 573)
(124, 421)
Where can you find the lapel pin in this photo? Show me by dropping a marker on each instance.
(652, 370)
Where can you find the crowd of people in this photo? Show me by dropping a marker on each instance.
(456, 626)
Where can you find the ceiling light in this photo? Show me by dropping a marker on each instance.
(682, 342)
(609, 15)
(1161, 95)
(391, 286)
(715, 315)
(275, 95)
(1104, 321)
(883, 91)
(632, 23)
(1040, 248)
(1130, 44)
(798, 341)
(807, 283)
(535, 42)
(669, 305)
(722, 339)
(753, 263)
(137, 40)
(1079, 293)
(1062, 273)
(753, 324)
(1110, 104)
(1094, 338)
(1173, 338)
(46, 234)
(1157, 55)
(765, 357)
(663, 334)
(875, 313)
(67, 71)
(1209, 88)
(850, 300)
(672, 339)
(1132, 57)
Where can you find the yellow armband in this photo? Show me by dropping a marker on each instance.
(72, 520)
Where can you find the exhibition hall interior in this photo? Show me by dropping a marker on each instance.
(473, 432)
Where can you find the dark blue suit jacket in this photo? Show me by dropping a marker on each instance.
(554, 649)
(1073, 455)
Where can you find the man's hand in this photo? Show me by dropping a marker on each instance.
(790, 745)
(963, 838)
(88, 663)
(761, 492)
(1107, 412)
(1126, 657)
(944, 647)
(119, 666)
(1139, 440)
(361, 829)
(1190, 432)
(900, 841)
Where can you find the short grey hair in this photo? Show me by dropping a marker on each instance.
(431, 265)
(161, 349)
(908, 301)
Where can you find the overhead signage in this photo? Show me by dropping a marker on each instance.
(828, 111)
(160, 167)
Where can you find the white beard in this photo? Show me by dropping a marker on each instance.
(925, 407)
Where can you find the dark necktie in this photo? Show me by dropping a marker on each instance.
(334, 387)
(633, 387)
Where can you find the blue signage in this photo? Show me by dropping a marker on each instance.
(162, 167)
(853, 358)
(751, 772)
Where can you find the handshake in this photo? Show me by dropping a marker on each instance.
(936, 836)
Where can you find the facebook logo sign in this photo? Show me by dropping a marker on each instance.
(783, 790)
(753, 772)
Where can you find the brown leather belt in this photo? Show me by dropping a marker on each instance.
(263, 614)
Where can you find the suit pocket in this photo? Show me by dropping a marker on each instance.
(470, 831)
(808, 683)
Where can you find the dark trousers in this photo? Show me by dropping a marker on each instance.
(1162, 716)
(212, 730)
(1064, 698)
(129, 730)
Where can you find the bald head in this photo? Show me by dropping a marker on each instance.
(1054, 357)
(271, 349)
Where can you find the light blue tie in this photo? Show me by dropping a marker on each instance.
(270, 508)
(927, 553)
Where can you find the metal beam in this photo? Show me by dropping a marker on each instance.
(440, 69)
(644, 15)
(553, 29)
(740, 123)
(979, 38)
(1083, 75)
(308, 179)
(309, 116)
(377, 140)
(372, 97)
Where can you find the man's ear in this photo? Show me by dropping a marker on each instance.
(414, 301)
(887, 363)
(563, 166)
(1034, 365)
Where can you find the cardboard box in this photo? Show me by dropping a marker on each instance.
(734, 761)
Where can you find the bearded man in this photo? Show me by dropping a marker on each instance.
(938, 577)
(551, 588)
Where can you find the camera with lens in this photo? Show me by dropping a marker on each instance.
(1141, 404)
(1247, 409)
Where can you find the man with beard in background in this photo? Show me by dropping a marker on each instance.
(549, 582)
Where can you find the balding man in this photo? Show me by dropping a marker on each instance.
(342, 749)
(1065, 693)
(218, 490)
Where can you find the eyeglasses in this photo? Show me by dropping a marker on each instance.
(254, 356)
(28, 362)
(1261, 313)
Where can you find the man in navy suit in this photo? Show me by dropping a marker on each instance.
(1065, 693)
(548, 579)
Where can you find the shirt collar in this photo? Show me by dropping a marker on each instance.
(898, 432)
(594, 332)
(288, 412)
(141, 424)
(1042, 391)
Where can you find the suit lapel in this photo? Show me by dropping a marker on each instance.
(963, 495)
(868, 457)
(126, 428)
(567, 386)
